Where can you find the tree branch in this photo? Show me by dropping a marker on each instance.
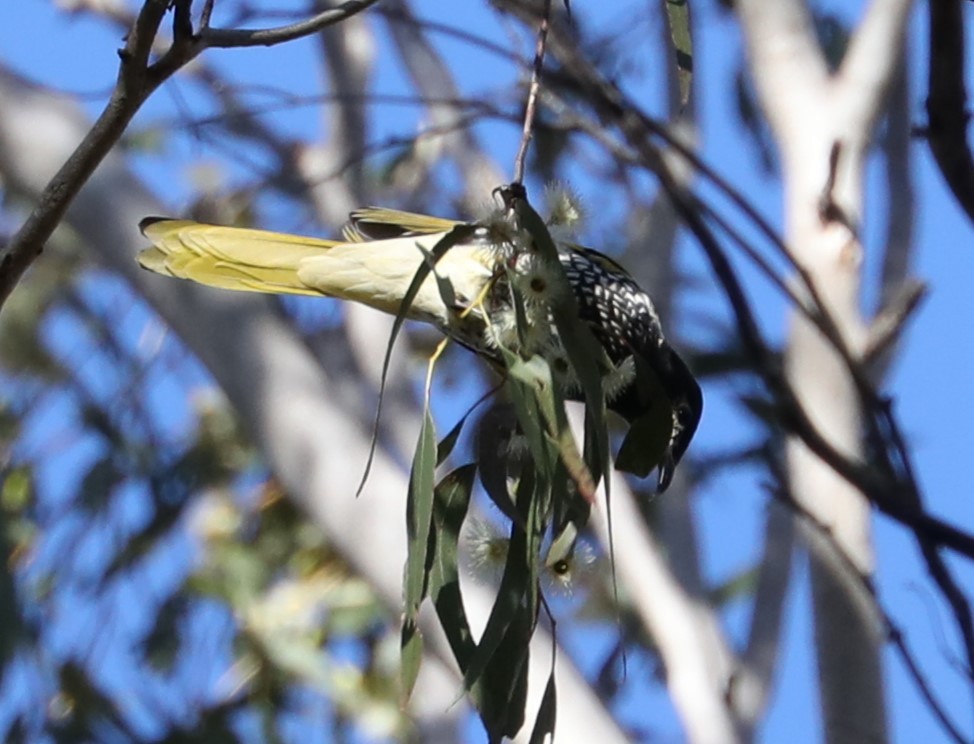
(137, 79)
(865, 76)
(132, 88)
(533, 88)
(249, 37)
(947, 115)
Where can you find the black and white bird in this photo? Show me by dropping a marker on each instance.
(377, 259)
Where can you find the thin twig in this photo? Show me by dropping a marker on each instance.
(888, 324)
(249, 37)
(532, 102)
(206, 14)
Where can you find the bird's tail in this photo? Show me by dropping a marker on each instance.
(374, 272)
(229, 257)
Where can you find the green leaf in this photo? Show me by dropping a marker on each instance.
(586, 356)
(506, 678)
(411, 657)
(450, 504)
(17, 488)
(496, 457)
(499, 665)
(510, 595)
(535, 374)
(452, 238)
(445, 446)
(678, 20)
(544, 724)
(419, 513)
(526, 378)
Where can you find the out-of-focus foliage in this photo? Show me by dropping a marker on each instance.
(108, 501)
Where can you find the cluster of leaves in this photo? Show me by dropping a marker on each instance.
(92, 513)
(554, 484)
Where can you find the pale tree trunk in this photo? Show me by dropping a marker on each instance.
(822, 123)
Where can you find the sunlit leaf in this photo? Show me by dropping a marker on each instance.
(452, 238)
(419, 514)
(678, 20)
(452, 498)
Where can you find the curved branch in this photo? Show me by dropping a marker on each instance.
(946, 105)
(225, 38)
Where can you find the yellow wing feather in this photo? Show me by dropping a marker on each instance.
(379, 223)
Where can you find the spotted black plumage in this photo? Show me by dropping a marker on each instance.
(624, 321)
(620, 314)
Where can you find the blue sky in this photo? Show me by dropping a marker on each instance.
(929, 381)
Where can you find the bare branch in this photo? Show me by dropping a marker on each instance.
(133, 87)
(250, 37)
(946, 105)
(532, 100)
(137, 79)
(895, 284)
(885, 330)
(787, 64)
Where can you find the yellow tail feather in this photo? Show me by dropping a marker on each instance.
(373, 272)
(229, 257)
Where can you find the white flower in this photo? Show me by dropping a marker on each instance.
(564, 206)
(487, 550)
(501, 330)
(616, 381)
(569, 572)
(562, 371)
(537, 280)
(500, 229)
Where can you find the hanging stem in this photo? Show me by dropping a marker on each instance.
(532, 102)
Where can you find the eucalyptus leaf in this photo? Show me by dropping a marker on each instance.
(678, 20)
(544, 723)
(457, 235)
